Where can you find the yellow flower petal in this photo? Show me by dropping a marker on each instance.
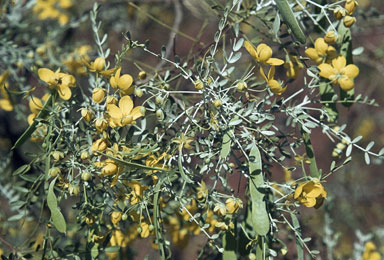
(339, 63)
(312, 54)
(126, 105)
(264, 52)
(346, 83)
(298, 191)
(46, 75)
(248, 46)
(271, 73)
(321, 46)
(114, 111)
(35, 105)
(64, 92)
(275, 87)
(275, 62)
(263, 74)
(326, 70)
(6, 105)
(351, 71)
(125, 82)
(136, 113)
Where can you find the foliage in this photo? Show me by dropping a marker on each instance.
(114, 158)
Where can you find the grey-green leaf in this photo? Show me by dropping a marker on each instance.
(260, 219)
(58, 221)
(226, 145)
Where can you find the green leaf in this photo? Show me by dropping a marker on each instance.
(56, 216)
(22, 169)
(229, 244)
(299, 246)
(260, 219)
(51, 197)
(226, 145)
(311, 155)
(288, 17)
(43, 113)
(58, 221)
(181, 170)
(327, 92)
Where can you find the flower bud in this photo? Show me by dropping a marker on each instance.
(220, 209)
(110, 168)
(349, 21)
(339, 13)
(57, 155)
(84, 155)
(99, 145)
(160, 114)
(199, 85)
(98, 95)
(86, 176)
(217, 103)
(116, 217)
(330, 37)
(74, 189)
(99, 64)
(101, 124)
(142, 110)
(241, 86)
(350, 6)
(142, 75)
(138, 92)
(53, 172)
(87, 114)
(233, 205)
(159, 100)
(111, 100)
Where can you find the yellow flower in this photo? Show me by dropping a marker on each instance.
(75, 60)
(116, 217)
(339, 13)
(370, 252)
(99, 145)
(202, 191)
(350, 6)
(310, 193)
(58, 80)
(220, 209)
(322, 51)
(144, 229)
(349, 21)
(330, 37)
(5, 101)
(123, 114)
(199, 85)
(110, 168)
(86, 114)
(221, 226)
(233, 205)
(293, 66)
(183, 141)
(340, 73)
(101, 124)
(273, 84)
(124, 82)
(262, 54)
(118, 239)
(49, 9)
(98, 95)
(136, 193)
